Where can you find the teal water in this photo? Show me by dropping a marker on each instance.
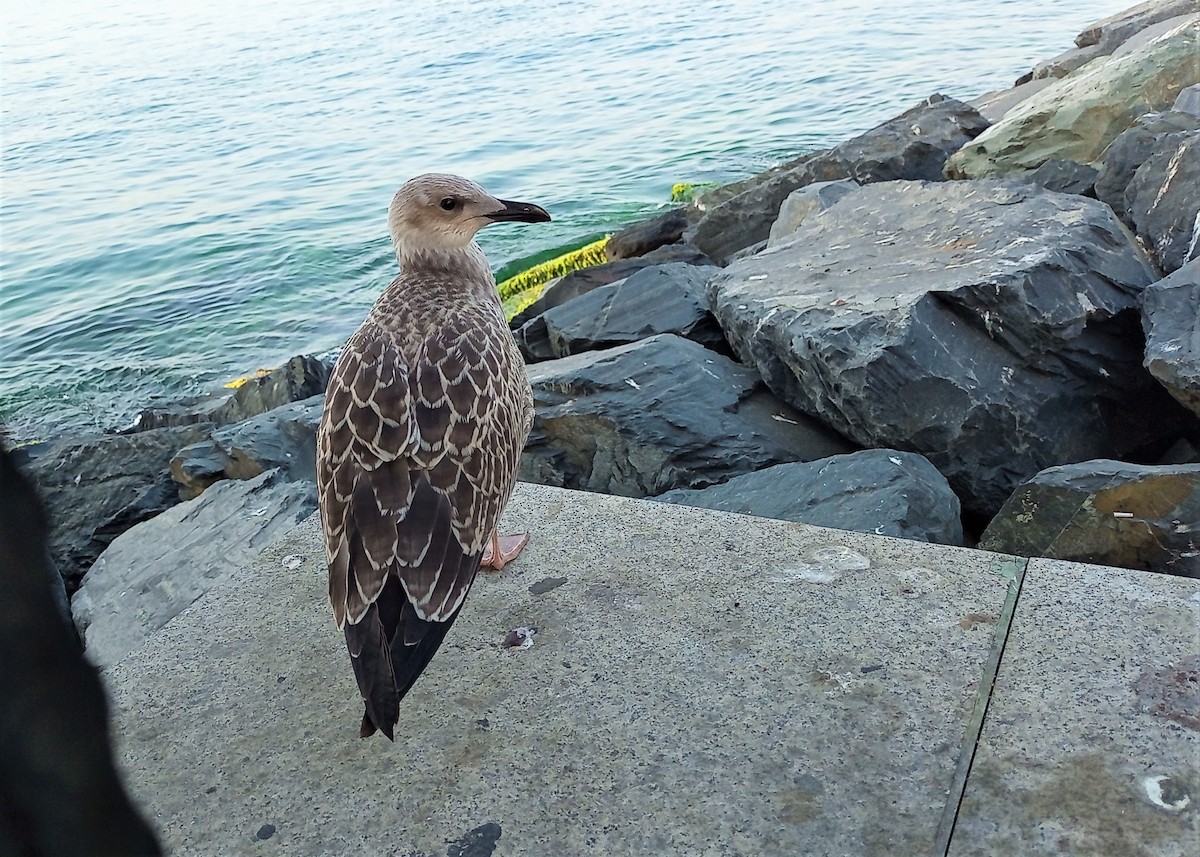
(192, 193)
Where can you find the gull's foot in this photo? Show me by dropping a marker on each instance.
(502, 550)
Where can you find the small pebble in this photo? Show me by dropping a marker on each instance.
(266, 831)
(519, 638)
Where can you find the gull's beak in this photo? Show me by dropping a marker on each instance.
(518, 212)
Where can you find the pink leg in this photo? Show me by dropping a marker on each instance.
(502, 550)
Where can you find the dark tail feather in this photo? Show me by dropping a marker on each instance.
(385, 665)
(372, 664)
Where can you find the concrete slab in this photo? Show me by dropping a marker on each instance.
(1092, 738)
(700, 683)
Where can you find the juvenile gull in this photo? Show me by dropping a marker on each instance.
(426, 414)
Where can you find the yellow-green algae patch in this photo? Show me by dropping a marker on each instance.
(520, 291)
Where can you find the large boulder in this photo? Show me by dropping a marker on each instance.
(805, 202)
(301, 377)
(662, 299)
(638, 239)
(1105, 512)
(914, 145)
(658, 414)
(283, 438)
(991, 326)
(1171, 320)
(576, 283)
(1163, 200)
(98, 487)
(1121, 160)
(152, 572)
(881, 491)
(1113, 31)
(1077, 118)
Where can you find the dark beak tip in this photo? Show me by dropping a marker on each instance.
(520, 212)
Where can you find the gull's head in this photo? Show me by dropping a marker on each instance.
(437, 214)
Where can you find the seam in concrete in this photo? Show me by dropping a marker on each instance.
(1014, 570)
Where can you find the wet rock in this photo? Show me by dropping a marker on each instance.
(98, 487)
(658, 414)
(804, 202)
(299, 378)
(576, 283)
(1171, 320)
(283, 438)
(661, 299)
(641, 238)
(881, 491)
(1126, 153)
(152, 572)
(1105, 512)
(1163, 199)
(914, 145)
(1078, 117)
(990, 326)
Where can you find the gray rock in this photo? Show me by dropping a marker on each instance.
(806, 201)
(1067, 62)
(1109, 512)
(640, 238)
(284, 438)
(1129, 150)
(1079, 116)
(914, 145)
(990, 326)
(98, 487)
(881, 491)
(1188, 100)
(1114, 30)
(576, 283)
(659, 414)
(662, 299)
(1171, 319)
(1163, 200)
(154, 571)
(992, 106)
(1065, 177)
(301, 377)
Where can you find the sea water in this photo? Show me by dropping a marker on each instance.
(193, 191)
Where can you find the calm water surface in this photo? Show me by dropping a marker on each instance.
(190, 193)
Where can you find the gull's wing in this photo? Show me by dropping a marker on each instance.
(415, 461)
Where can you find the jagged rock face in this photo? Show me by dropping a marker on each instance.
(1171, 319)
(301, 377)
(881, 491)
(98, 487)
(1077, 118)
(1114, 30)
(1106, 512)
(914, 145)
(1126, 153)
(152, 572)
(572, 285)
(1163, 199)
(640, 238)
(659, 414)
(284, 438)
(662, 299)
(804, 202)
(989, 325)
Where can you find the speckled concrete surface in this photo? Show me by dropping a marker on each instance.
(700, 684)
(1092, 739)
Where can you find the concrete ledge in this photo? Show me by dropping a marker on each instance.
(700, 683)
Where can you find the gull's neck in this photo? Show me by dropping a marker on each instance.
(463, 263)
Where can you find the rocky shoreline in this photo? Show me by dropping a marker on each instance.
(975, 323)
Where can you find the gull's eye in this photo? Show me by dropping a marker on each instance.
(449, 203)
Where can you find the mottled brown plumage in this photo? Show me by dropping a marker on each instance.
(426, 414)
